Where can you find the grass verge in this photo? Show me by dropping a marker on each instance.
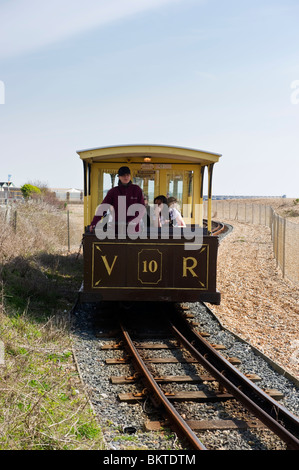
(43, 405)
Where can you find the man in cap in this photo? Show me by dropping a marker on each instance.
(131, 194)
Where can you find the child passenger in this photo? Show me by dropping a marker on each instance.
(167, 212)
(175, 216)
(160, 216)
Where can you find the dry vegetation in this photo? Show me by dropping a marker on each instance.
(42, 402)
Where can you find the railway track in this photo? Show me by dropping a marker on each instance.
(220, 380)
(218, 228)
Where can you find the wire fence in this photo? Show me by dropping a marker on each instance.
(284, 234)
(37, 227)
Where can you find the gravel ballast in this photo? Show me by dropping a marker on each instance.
(123, 423)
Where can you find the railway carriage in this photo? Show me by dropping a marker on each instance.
(173, 265)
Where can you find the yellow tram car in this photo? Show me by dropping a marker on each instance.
(154, 266)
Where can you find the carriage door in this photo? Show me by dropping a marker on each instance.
(147, 178)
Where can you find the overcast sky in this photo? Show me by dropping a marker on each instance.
(221, 76)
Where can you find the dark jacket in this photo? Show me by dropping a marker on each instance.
(133, 194)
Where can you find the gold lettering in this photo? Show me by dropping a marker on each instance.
(109, 268)
(152, 266)
(189, 268)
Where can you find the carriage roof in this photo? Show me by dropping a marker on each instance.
(153, 151)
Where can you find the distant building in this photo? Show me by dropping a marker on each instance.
(9, 191)
(220, 197)
(6, 184)
(68, 194)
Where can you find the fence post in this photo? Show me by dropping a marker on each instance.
(284, 247)
(2, 361)
(68, 231)
(7, 214)
(15, 221)
(277, 242)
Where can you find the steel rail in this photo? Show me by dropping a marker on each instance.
(218, 230)
(217, 227)
(264, 407)
(159, 395)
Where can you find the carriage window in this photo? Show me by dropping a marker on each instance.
(180, 186)
(148, 182)
(107, 180)
(175, 185)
